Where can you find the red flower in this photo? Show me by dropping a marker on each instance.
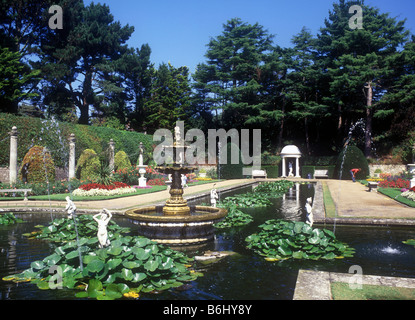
(115, 185)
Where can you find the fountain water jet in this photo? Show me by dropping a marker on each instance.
(346, 146)
(176, 223)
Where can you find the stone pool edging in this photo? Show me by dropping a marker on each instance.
(316, 285)
(59, 206)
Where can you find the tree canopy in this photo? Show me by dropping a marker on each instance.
(310, 93)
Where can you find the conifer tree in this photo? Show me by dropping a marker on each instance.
(230, 75)
(359, 62)
(89, 45)
(169, 98)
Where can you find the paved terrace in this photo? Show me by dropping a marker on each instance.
(120, 205)
(355, 204)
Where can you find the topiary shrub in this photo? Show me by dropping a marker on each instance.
(88, 166)
(228, 170)
(37, 166)
(121, 161)
(353, 158)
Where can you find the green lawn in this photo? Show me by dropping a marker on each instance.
(396, 195)
(342, 291)
(329, 205)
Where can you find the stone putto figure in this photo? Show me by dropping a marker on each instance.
(309, 210)
(103, 218)
(70, 208)
(214, 196)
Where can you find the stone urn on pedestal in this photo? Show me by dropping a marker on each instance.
(142, 182)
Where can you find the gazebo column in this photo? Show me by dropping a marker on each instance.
(283, 167)
(297, 167)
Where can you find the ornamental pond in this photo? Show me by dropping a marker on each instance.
(241, 276)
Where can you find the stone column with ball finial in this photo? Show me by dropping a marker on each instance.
(71, 168)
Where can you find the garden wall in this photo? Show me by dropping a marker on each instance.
(4, 175)
(394, 169)
(55, 136)
(60, 174)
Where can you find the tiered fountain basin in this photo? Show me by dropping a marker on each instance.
(177, 230)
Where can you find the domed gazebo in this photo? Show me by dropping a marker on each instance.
(291, 152)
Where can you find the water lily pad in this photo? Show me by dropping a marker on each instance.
(95, 266)
(127, 274)
(141, 253)
(115, 251)
(142, 242)
(131, 264)
(113, 263)
(37, 265)
(53, 259)
(151, 265)
(113, 291)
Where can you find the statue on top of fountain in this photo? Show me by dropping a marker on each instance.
(177, 135)
(179, 143)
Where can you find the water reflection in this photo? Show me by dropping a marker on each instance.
(294, 201)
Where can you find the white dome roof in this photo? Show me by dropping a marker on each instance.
(290, 151)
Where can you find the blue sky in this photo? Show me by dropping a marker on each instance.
(178, 31)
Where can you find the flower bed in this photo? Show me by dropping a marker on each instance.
(113, 186)
(96, 189)
(398, 183)
(157, 182)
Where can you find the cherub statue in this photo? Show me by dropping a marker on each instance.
(309, 209)
(70, 208)
(184, 181)
(177, 134)
(213, 196)
(103, 218)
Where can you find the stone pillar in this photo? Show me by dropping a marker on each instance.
(297, 167)
(13, 156)
(111, 155)
(283, 168)
(71, 156)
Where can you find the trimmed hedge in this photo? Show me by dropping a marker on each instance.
(351, 157)
(229, 170)
(121, 161)
(54, 136)
(88, 165)
(273, 171)
(37, 166)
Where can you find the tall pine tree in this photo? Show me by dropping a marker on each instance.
(85, 50)
(359, 62)
(230, 75)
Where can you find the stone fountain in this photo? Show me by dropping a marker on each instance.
(177, 223)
